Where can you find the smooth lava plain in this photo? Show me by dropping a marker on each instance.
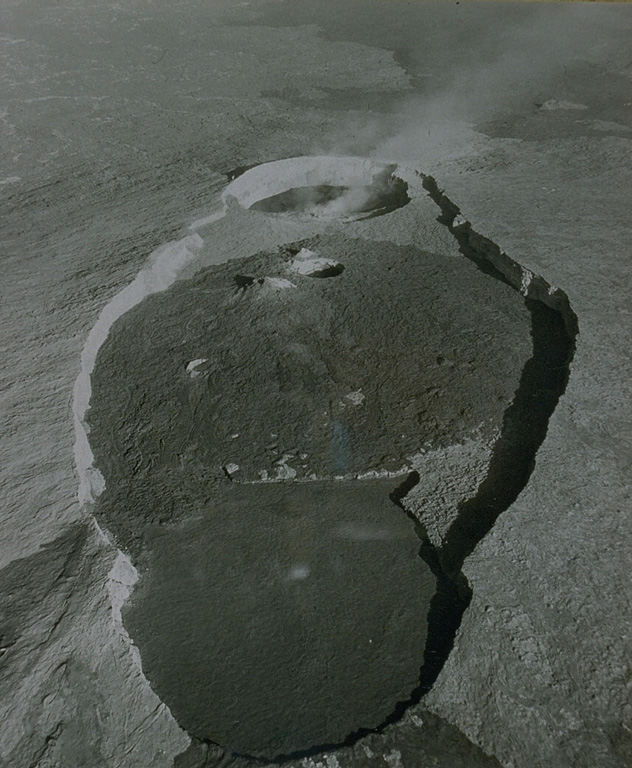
(287, 616)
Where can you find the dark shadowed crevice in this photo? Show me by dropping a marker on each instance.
(544, 377)
(450, 600)
(524, 428)
(513, 458)
(491, 260)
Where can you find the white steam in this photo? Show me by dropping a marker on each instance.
(478, 63)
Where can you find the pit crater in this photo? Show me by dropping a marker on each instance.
(385, 194)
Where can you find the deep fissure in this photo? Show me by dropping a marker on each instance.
(525, 423)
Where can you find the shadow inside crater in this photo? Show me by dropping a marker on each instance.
(524, 428)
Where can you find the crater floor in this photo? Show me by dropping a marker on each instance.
(241, 419)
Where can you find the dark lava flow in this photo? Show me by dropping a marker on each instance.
(525, 423)
(276, 618)
(333, 588)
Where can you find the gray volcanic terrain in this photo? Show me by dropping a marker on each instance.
(315, 393)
